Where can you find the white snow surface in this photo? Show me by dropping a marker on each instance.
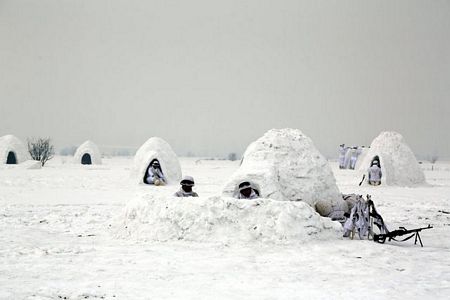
(286, 166)
(58, 240)
(157, 148)
(10, 143)
(90, 148)
(398, 163)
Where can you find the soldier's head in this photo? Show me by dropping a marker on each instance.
(155, 164)
(187, 183)
(245, 188)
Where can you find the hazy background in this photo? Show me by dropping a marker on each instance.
(212, 76)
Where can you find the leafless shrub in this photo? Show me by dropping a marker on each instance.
(41, 149)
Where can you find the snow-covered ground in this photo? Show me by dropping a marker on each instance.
(57, 241)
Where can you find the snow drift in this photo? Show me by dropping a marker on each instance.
(398, 163)
(88, 148)
(222, 219)
(157, 148)
(13, 147)
(285, 165)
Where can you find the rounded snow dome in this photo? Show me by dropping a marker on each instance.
(88, 154)
(157, 148)
(285, 165)
(398, 163)
(12, 150)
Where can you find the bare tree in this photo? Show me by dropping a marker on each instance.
(41, 149)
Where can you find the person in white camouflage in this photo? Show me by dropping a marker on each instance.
(186, 188)
(154, 174)
(246, 191)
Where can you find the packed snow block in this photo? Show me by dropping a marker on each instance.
(286, 166)
(157, 148)
(12, 150)
(399, 166)
(222, 219)
(88, 154)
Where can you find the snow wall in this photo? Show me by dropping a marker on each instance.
(222, 219)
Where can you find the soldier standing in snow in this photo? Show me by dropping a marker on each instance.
(186, 188)
(356, 151)
(375, 173)
(342, 151)
(154, 174)
(247, 192)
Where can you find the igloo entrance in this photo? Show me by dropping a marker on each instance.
(86, 159)
(11, 160)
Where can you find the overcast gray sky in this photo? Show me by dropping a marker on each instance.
(212, 76)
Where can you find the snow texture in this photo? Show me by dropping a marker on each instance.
(10, 143)
(285, 165)
(398, 163)
(157, 148)
(223, 219)
(90, 148)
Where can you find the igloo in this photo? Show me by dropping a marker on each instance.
(12, 150)
(88, 154)
(398, 163)
(156, 148)
(285, 165)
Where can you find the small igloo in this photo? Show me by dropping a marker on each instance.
(12, 150)
(88, 154)
(285, 165)
(398, 163)
(159, 149)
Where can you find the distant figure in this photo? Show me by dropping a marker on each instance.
(247, 192)
(356, 151)
(348, 155)
(186, 188)
(154, 174)
(342, 151)
(375, 173)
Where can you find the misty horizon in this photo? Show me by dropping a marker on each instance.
(211, 77)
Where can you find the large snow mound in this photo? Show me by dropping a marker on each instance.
(157, 148)
(285, 165)
(10, 143)
(90, 148)
(222, 219)
(398, 163)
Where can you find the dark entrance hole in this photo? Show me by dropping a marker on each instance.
(86, 159)
(11, 160)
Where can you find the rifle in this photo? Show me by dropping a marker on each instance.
(362, 180)
(381, 238)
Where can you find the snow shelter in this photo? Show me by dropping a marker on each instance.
(12, 150)
(88, 154)
(156, 148)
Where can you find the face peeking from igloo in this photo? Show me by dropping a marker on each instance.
(247, 190)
